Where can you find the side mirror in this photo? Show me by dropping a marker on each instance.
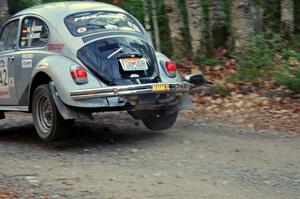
(195, 79)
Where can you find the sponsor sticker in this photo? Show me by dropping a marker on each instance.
(55, 47)
(27, 56)
(11, 82)
(36, 28)
(26, 63)
(34, 35)
(43, 66)
(23, 43)
(81, 30)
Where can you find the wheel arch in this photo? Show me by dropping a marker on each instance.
(39, 78)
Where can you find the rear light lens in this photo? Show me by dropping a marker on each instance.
(79, 74)
(170, 68)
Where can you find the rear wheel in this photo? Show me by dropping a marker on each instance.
(47, 120)
(159, 120)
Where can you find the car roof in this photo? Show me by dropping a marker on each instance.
(59, 10)
(55, 13)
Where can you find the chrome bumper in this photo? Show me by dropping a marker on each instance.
(130, 90)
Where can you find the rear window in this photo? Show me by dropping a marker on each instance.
(89, 22)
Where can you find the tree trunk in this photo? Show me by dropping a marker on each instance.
(3, 11)
(287, 17)
(155, 25)
(147, 22)
(196, 27)
(175, 28)
(242, 24)
(258, 15)
(217, 23)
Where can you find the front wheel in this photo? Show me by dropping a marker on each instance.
(159, 120)
(48, 122)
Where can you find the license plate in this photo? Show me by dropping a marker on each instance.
(134, 64)
(160, 87)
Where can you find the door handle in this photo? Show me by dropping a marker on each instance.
(11, 58)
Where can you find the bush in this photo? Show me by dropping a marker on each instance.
(289, 75)
(251, 74)
(290, 53)
(211, 61)
(290, 78)
(295, 42)
(259, 57)
(219, 89)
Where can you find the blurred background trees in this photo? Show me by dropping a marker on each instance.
(3, 11)
(287, 17)
(194, 29)
(217, 23)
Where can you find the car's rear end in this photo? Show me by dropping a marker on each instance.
(116, 51)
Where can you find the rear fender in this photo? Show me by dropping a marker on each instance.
(58, 69)
(66, 112)
(186, 102)
(161, 58)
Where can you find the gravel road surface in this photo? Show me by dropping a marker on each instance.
(115, 157)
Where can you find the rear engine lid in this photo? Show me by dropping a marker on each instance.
(120, 60)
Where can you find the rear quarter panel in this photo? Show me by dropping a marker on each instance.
(57, 67)
(186, 102)
(161, 58)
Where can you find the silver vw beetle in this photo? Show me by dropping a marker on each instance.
(63, 61)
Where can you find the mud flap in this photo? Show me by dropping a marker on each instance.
(186, 103)
(66, 112)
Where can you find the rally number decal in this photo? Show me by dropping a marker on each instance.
(3, 77)
(4, 88)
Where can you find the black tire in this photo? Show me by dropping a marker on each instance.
(159, 120)
(48, 122)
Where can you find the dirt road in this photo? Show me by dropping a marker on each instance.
(116, 157)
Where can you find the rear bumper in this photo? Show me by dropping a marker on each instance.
(130, 90)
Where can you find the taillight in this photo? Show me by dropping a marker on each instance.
(171, 68)
(79, 74)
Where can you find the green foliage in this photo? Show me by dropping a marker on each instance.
(134, 7)
(259, 57)
(185, 30)
(16, 6)
(272, 15)
(262, 50)
(290, 53)
(219, 89)
(164, 29)
(246, 74)
(289, 77)
(294, 43)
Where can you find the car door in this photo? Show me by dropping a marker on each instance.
(8, 50)
(34, 36)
